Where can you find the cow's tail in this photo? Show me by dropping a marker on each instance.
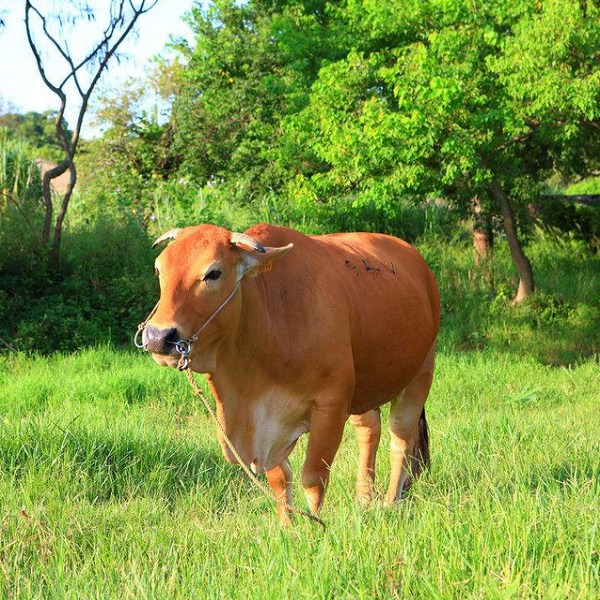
(420, 456)
(422, 449)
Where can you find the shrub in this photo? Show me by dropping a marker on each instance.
(103, 289)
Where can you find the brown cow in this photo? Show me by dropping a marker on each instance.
(297, 342)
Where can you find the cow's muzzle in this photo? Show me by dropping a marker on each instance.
(160, 341)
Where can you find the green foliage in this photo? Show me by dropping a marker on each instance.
(311, 112)
(104, 287)
(587, 186)
(433, 99)
(38, 130)
(560, 324)
(349, 113)
(549, 70)
(204, 205)
(119, 172)
(252, 65)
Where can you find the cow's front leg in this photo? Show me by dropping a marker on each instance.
(280, 480)
(327, 427)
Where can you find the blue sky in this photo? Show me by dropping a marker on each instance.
(21, 85)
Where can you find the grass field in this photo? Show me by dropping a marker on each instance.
(112, 486)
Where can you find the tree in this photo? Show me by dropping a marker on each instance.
(120, 168)
(252, 65)
(457, 98)
(81, 73)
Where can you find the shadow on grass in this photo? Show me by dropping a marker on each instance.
(551, 332)
(102, 467)
(559, 325)
(566, 475)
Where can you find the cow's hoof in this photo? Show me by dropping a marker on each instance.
(364, 500)
(284, 517)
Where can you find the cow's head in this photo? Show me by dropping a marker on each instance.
(199, 273)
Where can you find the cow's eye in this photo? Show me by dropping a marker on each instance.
(213, 275)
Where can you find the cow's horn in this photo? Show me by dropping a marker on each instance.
(246, 240)
(170, 235)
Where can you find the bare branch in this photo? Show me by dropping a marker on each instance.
(36, 54)
(9, 346)
(110, 52)
(119, 27)
(63, 52)
(516, 140)
(589, 199)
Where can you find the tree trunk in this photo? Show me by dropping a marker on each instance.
(482, 241)
(122, 19)
(48, 176)
(54, 253)
(482, 234)
(522, 264)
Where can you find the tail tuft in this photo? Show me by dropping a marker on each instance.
(420, 458)
(422, 449)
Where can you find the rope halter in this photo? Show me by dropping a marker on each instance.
(184, 346)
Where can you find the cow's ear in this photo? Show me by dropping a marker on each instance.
(254, 263)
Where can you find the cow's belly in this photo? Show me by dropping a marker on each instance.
(387, 358)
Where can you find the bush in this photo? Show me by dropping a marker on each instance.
(577, 220)
(104, 287)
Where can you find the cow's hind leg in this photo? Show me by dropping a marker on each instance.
(280, 480)
(409, 436)
(368, 432)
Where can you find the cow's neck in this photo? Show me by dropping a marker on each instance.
(262, 416)
(247, 349)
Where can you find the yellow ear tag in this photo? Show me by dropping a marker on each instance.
(267, 266)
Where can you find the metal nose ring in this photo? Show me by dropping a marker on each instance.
(183, 347)
(136, 343)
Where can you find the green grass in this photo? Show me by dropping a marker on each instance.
(112, 486)
(558, 325)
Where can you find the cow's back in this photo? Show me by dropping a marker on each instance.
(370, 297)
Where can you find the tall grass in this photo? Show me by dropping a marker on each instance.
(106, 286)
(18, 174)
(112, 486)
(20, 193)
(559, 324)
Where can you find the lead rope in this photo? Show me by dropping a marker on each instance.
(261, 486)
